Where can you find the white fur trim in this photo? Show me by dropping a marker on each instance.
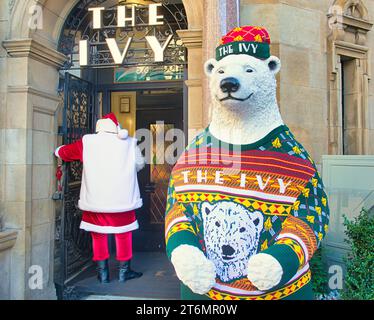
(109, 230)
(87, 207)
(193, 268)
(106, 125)
(57, 151)
(264, 271)
(123, 134)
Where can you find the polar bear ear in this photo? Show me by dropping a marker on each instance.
(274, 64)
(209, 66)
(258, 219)
(206, 209)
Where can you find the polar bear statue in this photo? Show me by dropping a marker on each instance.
(246, 205)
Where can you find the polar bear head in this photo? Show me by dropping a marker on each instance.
(231, 235)
(242, 81)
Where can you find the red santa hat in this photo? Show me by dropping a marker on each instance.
(109, 123)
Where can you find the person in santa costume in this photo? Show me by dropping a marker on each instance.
(109, 192)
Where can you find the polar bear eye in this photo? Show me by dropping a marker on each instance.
(218, 224)
(221, 71)
(242, 230)
(249, 70)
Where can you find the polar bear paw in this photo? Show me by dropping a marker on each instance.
(193, 268)
(264, 271)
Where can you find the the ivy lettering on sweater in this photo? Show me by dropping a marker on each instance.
(234, 201)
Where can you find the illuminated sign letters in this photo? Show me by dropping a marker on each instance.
(126, 17)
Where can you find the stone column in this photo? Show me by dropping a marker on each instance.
(193, 41)
(30, 137)
(221, 16)
(208, 20)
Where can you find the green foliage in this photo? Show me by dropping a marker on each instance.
(359, 279)
(319, 274)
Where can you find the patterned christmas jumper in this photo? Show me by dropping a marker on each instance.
(233, 201)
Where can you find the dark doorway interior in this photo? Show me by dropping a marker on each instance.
(143, 92)
(158, 113)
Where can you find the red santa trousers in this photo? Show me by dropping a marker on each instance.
(123, 246)
(102, 224)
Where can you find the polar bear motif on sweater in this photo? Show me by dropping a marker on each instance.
(231, 235)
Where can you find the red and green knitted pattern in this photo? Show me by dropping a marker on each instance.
(250, 40)
(234, 201)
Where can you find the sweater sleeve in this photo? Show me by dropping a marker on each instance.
(303, 230)
(71, 152)
(179, 229)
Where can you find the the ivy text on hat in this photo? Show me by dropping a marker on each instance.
(250, 40)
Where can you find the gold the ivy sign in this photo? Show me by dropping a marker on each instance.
(126, 17)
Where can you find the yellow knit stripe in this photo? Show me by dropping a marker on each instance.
(296, 247)
(302, 230)
(182, 226)
(174, 213)
(267, 208)
(275, 295)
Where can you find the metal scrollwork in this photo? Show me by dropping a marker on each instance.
(79, 27)
(73, 246)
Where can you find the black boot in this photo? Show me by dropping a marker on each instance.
(125, 272)
(103, 271)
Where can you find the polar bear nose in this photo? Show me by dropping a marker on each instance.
(227, 250)
(230, 85)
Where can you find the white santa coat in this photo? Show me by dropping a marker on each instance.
(109, 180)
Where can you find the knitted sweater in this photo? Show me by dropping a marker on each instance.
(234, 201)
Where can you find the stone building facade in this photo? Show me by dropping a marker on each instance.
(325, 95)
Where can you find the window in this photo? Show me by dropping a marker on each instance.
(350, 95)
(349, 78)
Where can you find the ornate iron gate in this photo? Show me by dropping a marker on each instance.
(73, 246)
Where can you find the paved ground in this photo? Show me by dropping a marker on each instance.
(158, 281)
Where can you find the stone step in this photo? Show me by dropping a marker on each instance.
(109, 297)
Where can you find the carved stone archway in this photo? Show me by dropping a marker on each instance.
(352, 8)
(55, 13)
